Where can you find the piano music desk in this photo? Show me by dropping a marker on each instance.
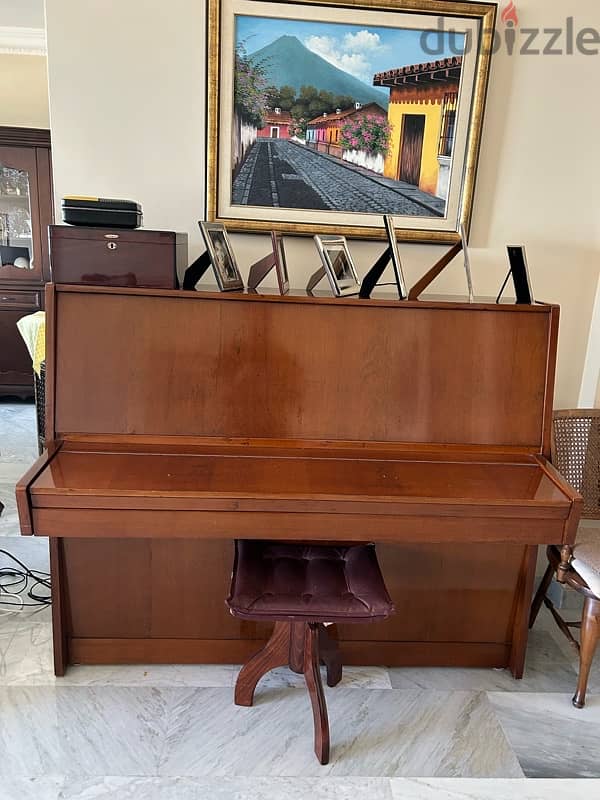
(179, 421)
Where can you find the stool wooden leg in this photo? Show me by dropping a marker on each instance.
(297, 639)
(312, 676)
(590, 633)
(330, 656)
(275, 653)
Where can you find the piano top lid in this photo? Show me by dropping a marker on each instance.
(381, 298)
(164, 362)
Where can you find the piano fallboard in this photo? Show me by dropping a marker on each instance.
(284, 490)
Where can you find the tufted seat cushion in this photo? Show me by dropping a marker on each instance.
(586, 554)
(317, 583)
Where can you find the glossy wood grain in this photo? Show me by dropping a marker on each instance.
(80, 254)
(248, 475)
(305, 368)
(192, 419)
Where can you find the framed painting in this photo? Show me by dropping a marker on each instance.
(324, 116)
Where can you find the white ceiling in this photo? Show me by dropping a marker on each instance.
(22, 13)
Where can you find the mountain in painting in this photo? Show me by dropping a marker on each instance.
(287, 62)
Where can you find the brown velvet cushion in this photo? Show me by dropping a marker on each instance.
(319, 583)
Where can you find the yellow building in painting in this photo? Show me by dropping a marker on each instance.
(422, 113)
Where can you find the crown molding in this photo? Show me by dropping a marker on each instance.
(23, 41)
(24, 137)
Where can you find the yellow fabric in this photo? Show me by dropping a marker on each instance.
(33, 330)
(39, 353)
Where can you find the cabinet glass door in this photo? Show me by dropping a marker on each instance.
(19, 215)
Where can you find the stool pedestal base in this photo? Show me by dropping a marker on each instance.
(302, 646)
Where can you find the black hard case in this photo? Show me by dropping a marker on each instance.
(101, 212)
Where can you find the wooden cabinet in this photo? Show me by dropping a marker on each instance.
(25, 213)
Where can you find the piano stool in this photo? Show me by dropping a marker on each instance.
(301, 587)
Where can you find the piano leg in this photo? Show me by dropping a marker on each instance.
(520, 625)
(59, 607)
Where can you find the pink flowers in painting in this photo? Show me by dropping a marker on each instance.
(367, 132)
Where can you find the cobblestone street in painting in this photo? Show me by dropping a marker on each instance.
(283, 174)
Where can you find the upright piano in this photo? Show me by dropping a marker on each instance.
(179, 421)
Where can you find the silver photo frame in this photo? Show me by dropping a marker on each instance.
(338, 265)
(388, 221)
(220, 251)
(465, 247)
(283, 278)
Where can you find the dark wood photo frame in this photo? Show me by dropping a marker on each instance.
(222, 257)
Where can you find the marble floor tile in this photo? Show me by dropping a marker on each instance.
(81, 731)
(26, 660)
(547, 669)
(374, 733)
(31, 550)
(18, 445)
(546, 624)
(18, 422)
(154, 675)
(352, 678)
(183, 788)
(550, 737)
(25, 652)
(30, 788)
(9, 519)
(226, 789)
(499, 789)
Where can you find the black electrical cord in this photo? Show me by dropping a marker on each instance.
(26, 581)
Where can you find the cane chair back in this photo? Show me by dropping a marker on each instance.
(576, 454)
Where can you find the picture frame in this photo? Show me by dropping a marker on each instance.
(281, 268)
(388, 222)
(222, 258)
(409, 120)
(520, 274)
(338, 265)
(467, 261)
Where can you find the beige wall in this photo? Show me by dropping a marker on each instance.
(24, 91)
(127, 106)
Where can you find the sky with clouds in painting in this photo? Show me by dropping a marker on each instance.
(357, 49)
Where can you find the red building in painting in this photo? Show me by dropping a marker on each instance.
(277, 124)
(323, 132)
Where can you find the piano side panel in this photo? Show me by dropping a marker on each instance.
(210, 366)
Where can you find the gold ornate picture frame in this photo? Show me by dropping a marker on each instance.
(322, 117)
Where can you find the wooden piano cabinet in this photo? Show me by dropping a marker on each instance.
(155, 601)
(194, 419)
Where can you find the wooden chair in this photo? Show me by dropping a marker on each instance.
(576, 455)
(300, 587)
